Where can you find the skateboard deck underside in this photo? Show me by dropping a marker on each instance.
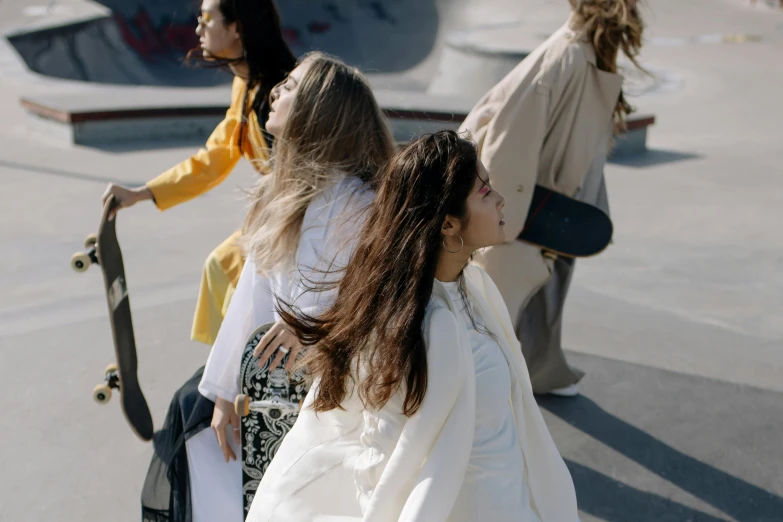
(566, 226)
(133, 402)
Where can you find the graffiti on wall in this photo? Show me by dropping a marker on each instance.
(165, 36)
(152, 39)
(334, 16)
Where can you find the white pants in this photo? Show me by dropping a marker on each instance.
(215, 487)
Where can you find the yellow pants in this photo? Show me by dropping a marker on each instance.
(218, 281)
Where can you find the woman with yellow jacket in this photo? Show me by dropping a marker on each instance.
(246, 37)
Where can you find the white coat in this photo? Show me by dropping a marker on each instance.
(312, 477)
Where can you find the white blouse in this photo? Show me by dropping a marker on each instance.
(330, 231)
(494, 485)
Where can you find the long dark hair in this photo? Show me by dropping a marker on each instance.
(376, 321)
(268, 57)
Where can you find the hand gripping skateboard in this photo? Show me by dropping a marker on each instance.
(268, 403)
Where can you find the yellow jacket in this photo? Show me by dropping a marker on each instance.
(210, 165)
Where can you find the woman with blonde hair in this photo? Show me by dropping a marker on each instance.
(331, 139)
(550, 122)
(421, 408)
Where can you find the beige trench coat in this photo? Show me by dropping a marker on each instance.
(542, 124)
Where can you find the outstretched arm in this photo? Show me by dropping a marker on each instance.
(208, 167)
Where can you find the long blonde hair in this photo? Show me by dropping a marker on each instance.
(334, 128)
(610, 25)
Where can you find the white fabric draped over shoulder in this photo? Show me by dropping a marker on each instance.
(330, 230)
(320, 471)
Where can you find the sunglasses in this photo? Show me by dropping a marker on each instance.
(205, 17)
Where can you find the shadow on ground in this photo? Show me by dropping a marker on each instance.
(64, 173)
(606, 498)
(652, 158)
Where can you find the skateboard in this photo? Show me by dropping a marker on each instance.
(104, 250)
(268, 404)
(565, 226)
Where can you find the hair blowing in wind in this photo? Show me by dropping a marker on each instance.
(335, 128)
(376, 321)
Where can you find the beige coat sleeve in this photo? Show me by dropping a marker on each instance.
(510, 125)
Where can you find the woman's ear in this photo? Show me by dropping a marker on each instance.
(451, 226)
(234, 30)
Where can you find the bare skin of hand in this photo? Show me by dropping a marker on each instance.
(126, 197)
(223, 417)
(278, 336)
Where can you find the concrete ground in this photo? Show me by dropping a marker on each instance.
(677, 325)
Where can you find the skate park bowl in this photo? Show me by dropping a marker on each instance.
(428, 61)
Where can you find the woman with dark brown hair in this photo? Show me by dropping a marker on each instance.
(244, 37)
(549, 122)
(421, 408)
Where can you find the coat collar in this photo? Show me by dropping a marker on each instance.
(611, 83)
(574, 33)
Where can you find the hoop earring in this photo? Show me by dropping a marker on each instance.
(461, 245)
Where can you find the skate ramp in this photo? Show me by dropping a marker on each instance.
(144, 42)
(133, 42)
(379, 36)
(428, 62)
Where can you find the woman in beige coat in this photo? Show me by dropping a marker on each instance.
(549, 122)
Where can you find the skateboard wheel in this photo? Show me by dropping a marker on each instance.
(80, 262)
(112, 368)
(101, 394)
(91, 240)
(242, 405)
